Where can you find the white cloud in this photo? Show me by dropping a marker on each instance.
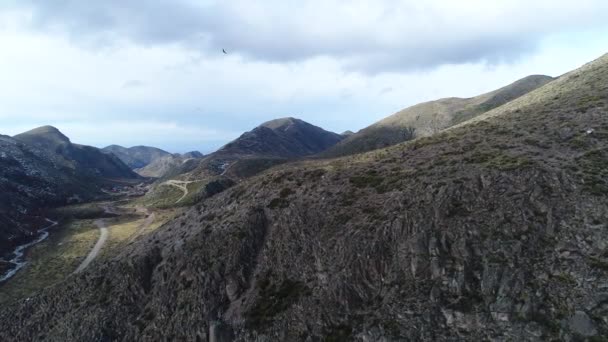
(366, 35)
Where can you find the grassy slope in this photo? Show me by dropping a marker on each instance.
(431, 117)
(54, 259)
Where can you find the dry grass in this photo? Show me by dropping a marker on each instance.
(56, 258)
(52, 260)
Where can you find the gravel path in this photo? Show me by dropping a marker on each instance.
(103, 230)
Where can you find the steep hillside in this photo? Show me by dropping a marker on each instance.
(494, 230)
(192, 154)
(30, 178)
(137, 156)
(272, 143)
(276, 140)
(285, 137)
(431, 117)
(84, 160)
(170, 165)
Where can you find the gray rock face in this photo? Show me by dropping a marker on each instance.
(83, 159)
(285, 138)
(31, 178)
(581, 324)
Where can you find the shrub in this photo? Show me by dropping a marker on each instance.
(278, 203)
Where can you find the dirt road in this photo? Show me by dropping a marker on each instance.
(182, 185)
(103, 236)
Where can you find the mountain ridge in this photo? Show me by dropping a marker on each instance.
(81, 158)
(136, 156)
(430, 117)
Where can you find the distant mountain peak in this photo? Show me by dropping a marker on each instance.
(136, 156)
(282, 122)
(428, 118)
(84, 159)
(47, 133)
(284, 137)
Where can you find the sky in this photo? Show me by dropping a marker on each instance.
(151, 72)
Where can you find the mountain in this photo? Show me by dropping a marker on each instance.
(269, 144)
(154, 162)
(284, 138)
(431, 117)
(274, 141)
(492, 230)
(170, 165)
(192, 154)
(83, 159)
(42, 168)
(138, 156)
(32, 178)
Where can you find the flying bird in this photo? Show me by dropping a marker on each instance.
(224, 51)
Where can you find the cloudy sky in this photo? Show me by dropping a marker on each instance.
(152, 72)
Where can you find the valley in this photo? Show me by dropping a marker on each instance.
(89, 233)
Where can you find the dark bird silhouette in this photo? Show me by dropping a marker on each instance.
(224, 51)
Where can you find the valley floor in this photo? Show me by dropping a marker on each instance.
(78, 242)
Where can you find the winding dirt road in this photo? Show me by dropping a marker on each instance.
(182, 185)
(103, 236)
(150, 217)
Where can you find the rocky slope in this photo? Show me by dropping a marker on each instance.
(493, 230)
(272, 142)
(154, 162)
(137, 156)
(170, 165)
(31, 178)
(84, 160)
(429, 118)
(285, 138)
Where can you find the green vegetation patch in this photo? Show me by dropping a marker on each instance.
(286, 192)
(277, 203)
(499, 160)
(274, 299)
(593, 169)
(52, 260)
(338, 333)
(366, 181)
(589, 101)
(598, 263)
(80, 211)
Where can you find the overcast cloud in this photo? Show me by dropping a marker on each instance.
(339, 64)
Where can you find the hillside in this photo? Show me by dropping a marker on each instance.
(285, 138)
(493, 230)
(280, 139)
(269, 144)
(192, 154)
(30, 179)
(137, 156)
(84, 160)
(154, 162)
(170, 165)
(429, 118)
